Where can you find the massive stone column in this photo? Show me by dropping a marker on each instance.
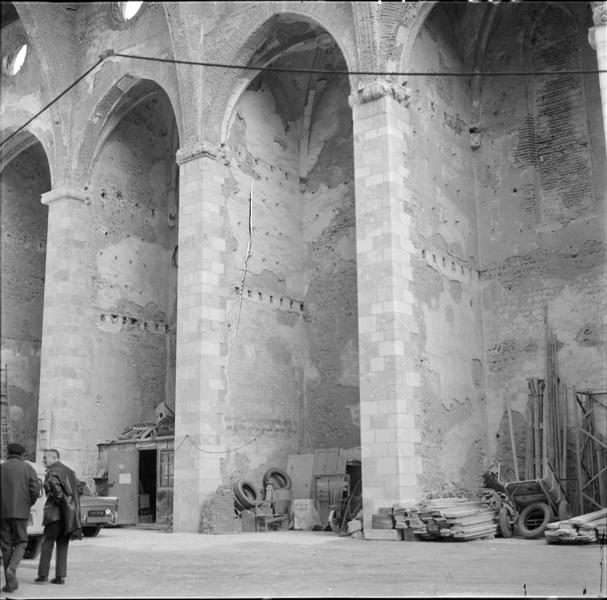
(389, 379)
(201, 331)
(597, 37)
(65, 363)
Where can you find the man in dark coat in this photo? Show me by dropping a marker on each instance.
(20, 490)
(61, 518)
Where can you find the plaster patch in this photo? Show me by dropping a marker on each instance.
(278, 351)
(133, 270)
(349, 364)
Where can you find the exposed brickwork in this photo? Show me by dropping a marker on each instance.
(23, 254)
(540, 201)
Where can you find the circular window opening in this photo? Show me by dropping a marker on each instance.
(129, 9)
(13, 62)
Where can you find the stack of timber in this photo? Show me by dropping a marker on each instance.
(448, 518)
(584, 529)
(547, 417)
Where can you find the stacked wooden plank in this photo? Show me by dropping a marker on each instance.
(448, 518)
(584, 529)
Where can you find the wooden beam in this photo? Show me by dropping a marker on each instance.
(578, 460)
(512, 440)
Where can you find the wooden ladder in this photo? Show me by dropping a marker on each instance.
(5, 422)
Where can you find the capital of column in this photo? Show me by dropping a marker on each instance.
(373, 90)
(197, 149)
(64, 193)
(599, 13)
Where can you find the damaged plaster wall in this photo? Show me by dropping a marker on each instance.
(265, 360)
(292, 365)
(331, 319)
(445, 281)
(541, 214)
(133, 265)
(23, 252)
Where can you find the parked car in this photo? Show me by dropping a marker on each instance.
(95, 512)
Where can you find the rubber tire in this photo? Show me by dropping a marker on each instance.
(539, 529)
(91, 531)
(34, 544)
(281, 478)
(564, 510)
(246, 493)
(505, 523)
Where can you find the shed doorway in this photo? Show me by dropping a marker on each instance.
(148, 465)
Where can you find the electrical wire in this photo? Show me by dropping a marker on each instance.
(55, 99)
(370, 73)
(111, 53)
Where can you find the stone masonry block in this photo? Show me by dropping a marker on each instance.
(392, 347)
(218, 243)
(212, 348)
(380, 422)
(379, 451)
(376, 364)
(208, 277)
(361, 172)
(368, 407)
(385, 434)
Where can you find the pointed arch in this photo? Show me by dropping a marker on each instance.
(122, 95)
(244, 44)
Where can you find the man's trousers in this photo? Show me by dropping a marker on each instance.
(13, 539)
(53, 533)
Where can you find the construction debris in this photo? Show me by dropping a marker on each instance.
(447, 518)
(584, 529)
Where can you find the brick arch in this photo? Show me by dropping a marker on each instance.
(404, 31)
(536, 22)
(21, 142)
(51, 34)
(185, 25)
(367, 41)
(244, 41)
(112, 105)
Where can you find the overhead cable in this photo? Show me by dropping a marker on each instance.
(47, 106)
(111, 53)
(370, 73)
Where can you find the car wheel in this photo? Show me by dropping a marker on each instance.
(533, 519)
(33, 547)
(91, 531)
(506, 522)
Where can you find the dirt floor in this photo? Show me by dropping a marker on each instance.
(131, 562)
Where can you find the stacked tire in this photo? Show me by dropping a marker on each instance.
(246, 494)
(278, 478)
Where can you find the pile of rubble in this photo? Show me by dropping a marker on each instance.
(584, 529)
